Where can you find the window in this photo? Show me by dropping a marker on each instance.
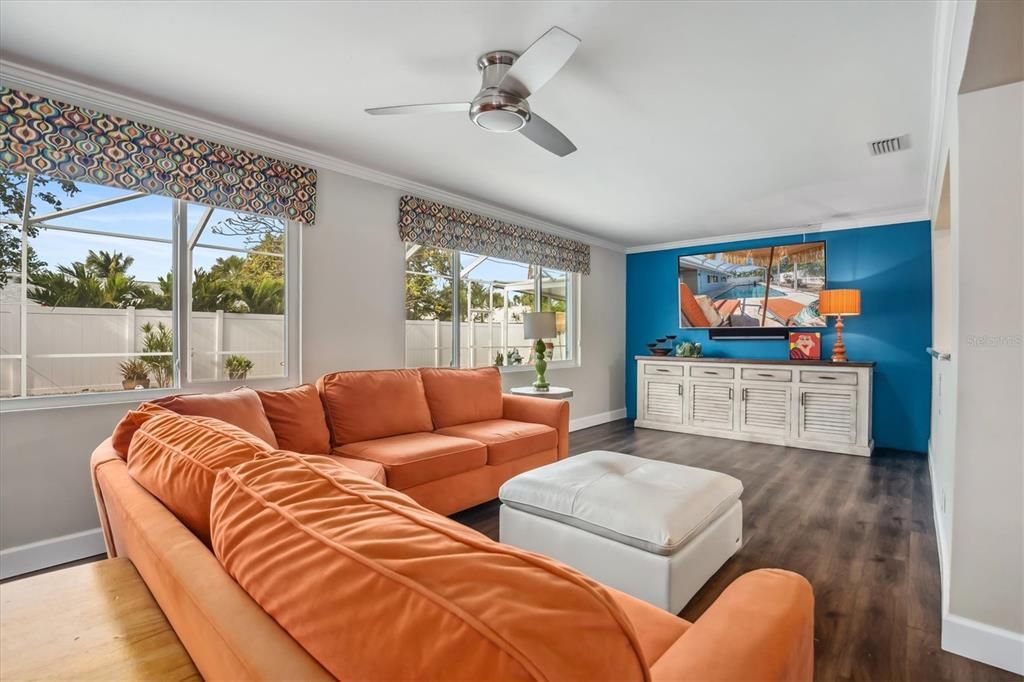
(493, 295)
(89, 280)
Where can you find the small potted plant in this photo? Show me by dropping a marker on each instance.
(134, 374)
(237, 367)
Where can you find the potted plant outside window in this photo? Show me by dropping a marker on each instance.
(237, 367)
(134, 374)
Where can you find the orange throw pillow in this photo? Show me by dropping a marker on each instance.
(375, 587)
(241, 407)
(377, 404)
(297, 417)
(462, 396)
(176, 458)
(130, 423)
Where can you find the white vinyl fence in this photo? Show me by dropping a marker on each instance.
(74, 350)
(71, 350)
(428, 343)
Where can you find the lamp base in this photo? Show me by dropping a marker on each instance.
(541, 365)
(839, 348)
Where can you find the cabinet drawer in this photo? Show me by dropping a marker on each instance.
(712, 372)
(828, 377)
(759, 374)
(664, 370)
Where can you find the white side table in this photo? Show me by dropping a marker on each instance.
(553, 393)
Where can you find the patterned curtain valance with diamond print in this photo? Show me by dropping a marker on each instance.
(42, 135)
(434, 224)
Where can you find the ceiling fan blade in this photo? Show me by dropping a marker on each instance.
(444, 108)
(548, 136)
(540, 62)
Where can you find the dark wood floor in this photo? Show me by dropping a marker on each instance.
(860, 529)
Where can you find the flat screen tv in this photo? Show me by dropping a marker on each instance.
(770, 286)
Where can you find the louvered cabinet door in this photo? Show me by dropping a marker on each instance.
(663, 401)
(765, 409)
(828, 415)
(711, 404)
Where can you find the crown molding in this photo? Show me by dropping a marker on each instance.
(81, 94)
(867, 220)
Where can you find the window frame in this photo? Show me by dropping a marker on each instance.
(181, 315)
(573, 316)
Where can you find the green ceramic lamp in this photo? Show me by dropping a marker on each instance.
(539, 326)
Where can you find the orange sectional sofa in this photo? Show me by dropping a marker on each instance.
(273, 564)
(448, 438)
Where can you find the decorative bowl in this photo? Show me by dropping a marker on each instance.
(662, 340)
(660, 351)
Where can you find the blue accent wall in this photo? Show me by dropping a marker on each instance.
(890, 264)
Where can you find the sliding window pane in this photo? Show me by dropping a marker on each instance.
(96, 277)
(494, 295)
(237, 323)
(428, 306)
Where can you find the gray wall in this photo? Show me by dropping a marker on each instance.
(352, 318)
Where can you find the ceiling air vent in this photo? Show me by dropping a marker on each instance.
(890, 145)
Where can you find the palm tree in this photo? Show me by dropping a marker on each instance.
(107, 263)
(78, 285)
(265, 295)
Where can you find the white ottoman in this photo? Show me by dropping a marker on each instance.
(653, 529)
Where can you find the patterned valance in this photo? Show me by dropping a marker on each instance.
(42, 135)
(434, 224)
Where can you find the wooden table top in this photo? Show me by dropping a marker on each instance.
(96, 621)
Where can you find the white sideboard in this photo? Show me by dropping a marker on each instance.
(805, 404)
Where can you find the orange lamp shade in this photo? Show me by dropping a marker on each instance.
(839, 302)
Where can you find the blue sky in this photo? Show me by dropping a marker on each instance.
(149, 216)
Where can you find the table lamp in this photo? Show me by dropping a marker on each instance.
(839, 302)
(539, 326)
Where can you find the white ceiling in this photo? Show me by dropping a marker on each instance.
(692, 119)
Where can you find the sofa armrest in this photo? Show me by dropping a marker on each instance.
(103, 454)
(553, 413)
(761, 627)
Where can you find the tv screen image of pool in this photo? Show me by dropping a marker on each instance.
(770, 286)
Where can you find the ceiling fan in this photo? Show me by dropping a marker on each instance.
(508, 80)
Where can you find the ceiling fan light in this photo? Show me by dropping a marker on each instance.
(499, 112)
(500, 121)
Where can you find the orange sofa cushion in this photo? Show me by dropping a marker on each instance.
(296, 416)
(376, 587)
(506, 439)
(460, 396)
(364, 467)
(367, 405)
(121, 439)
(176, 458)
(415, 458)
(241, 407)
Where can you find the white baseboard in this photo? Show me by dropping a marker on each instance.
(596, 419)
(963, 636)
(53, 552)
(980, 642)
